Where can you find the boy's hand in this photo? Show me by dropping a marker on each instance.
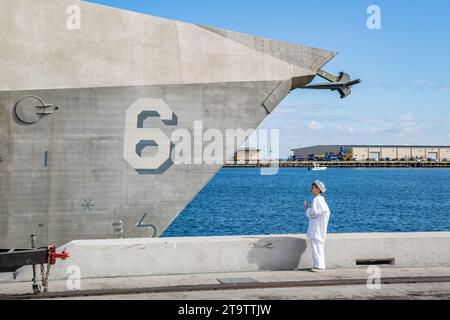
(306, 204)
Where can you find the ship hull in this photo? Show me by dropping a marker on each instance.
(90, 95)
(68, 171)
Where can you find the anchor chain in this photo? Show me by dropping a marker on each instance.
(45, 274)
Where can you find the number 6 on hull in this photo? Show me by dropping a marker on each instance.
(136, 134)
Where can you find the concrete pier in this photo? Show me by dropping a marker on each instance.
(184, 256)
(395, 283)
(279, 264)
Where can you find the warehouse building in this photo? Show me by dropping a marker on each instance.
(376, 153)
(248, 155)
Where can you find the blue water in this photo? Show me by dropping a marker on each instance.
(242, 202)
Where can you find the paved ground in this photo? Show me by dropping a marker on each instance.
(435, 291)
(398, 283)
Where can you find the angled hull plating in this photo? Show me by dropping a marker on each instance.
(68, 101)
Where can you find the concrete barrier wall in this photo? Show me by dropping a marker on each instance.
(139, 257)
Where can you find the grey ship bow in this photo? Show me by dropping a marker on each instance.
(73, 99)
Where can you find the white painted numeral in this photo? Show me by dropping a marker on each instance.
(134, 135)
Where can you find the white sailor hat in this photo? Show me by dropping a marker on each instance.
(320, 185)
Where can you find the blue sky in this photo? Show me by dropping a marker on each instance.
(405, 66)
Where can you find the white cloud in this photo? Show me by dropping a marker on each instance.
(347, 129)
(423, 81)
(373, 130)
(408, 118)
(314, 125)
(418, 84)
(372, 120)
(408, 124)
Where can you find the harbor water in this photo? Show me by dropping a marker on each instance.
(244, 202)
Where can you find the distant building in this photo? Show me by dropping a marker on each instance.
(248, 155)
(373, 152)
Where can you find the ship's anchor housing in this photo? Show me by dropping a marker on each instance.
(30, 109)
